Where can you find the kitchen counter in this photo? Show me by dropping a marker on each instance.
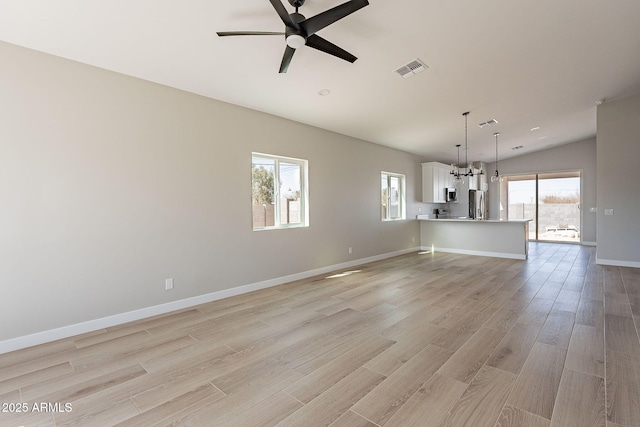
(519, 221)
(502, 239)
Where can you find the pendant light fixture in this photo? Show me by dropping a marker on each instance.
(469, 166)
(466, 148)
(496, 176)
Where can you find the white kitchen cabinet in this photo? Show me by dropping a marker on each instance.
(435, 178)
(473, 181)
(477, 181)
(482, 182)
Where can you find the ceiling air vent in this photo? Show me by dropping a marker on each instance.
(488, 123)
(412, 68)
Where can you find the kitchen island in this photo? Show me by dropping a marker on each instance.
(495, 238)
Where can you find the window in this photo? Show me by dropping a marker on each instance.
(393, 196)
(278, 192)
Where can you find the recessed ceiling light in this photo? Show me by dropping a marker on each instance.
(543, 137)
(324, 92)
(535, 128)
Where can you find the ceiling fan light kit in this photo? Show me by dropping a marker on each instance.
(296, 41)
(301, 31)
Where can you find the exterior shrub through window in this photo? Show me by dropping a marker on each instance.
(278, 192)
(392, 196)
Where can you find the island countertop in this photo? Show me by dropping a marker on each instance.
(488, 237)
(505, 221)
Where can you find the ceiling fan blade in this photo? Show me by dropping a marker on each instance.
(286, 59)
(284, 15)
(321, 20)
(249, 33)
(317, 42)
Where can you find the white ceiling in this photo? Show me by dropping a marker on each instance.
(525, 63)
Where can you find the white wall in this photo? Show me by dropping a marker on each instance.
(619, 182)
(110, 185)
(575, 156)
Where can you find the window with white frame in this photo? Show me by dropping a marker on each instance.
(392, 196)
(278, 192)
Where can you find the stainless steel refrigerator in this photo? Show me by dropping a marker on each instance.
(478, 205)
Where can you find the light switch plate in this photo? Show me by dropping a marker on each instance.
(593, 209)
(608, 211)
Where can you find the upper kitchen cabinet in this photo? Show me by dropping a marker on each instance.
(477, 181)
(435, 178)
(473, 180)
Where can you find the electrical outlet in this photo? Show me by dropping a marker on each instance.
(350, 250)
(608, 211)
(168, 284)
(413, 239)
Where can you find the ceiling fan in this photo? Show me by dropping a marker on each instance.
(301, 31)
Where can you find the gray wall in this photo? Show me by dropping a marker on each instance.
(619, 182)
(575, 156)
(111, 184)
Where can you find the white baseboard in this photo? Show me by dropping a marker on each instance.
(617, 263)
(118, 319)
(588, 243)
(476, 253)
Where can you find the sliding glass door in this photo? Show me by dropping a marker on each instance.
(550, 200)
(559, 207)
(521, 200)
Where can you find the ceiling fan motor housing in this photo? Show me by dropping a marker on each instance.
(296, 38)
(293, 32)
(296, 17)
(296, 3)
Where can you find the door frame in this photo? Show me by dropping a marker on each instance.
(505, 197)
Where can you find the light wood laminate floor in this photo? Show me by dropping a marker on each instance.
(418, 340)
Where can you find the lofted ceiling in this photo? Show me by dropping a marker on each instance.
(528, 64)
